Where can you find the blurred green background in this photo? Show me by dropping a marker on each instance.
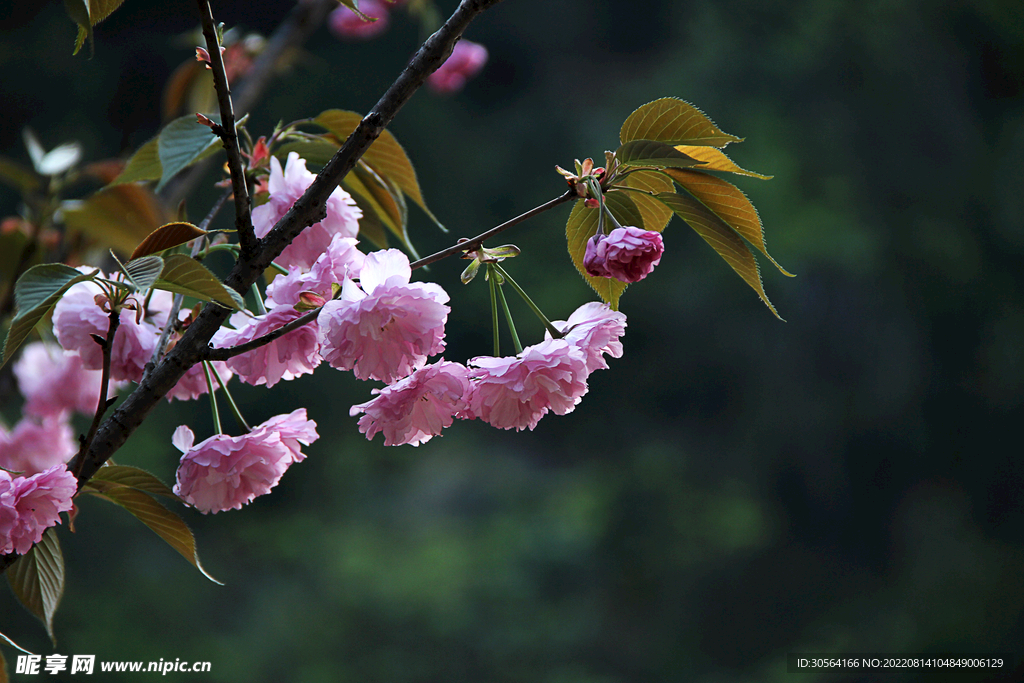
(734, 488)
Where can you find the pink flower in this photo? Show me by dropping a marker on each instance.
(389, 327)
(341, 260)
(417, 408)
(285, 187)
(465, 62)
(293, 355)
(193, 384)
(37, 502)
(33, 446)
(594, 328)
(515, 392)
(344, 23)
(627, 254)
(53, 381)
(78, 316)
(226, 472)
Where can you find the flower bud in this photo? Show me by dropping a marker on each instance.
(627, 254)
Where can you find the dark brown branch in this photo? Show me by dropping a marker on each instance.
(102, 403)
(227, 133)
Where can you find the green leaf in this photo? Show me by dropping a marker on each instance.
(144, 271)
(722, 238)
(712, 159)
(388, 197)
(728, 203)
(166, 237)
(134, 478)
(354, 6)
(184, 275)
(181, 143)
(21, 178)
(674, 122)
(119, 216)
(165, 523)
(652, 153)
(385, 155)
(143, 165)
(317, 151)
(37, 291)
(370, 225)
(88, 13)
(655, 214)
(37, 579)
(582, 225)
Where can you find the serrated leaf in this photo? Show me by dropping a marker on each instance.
(712, 159)
(135, 478)
(722, 238)
(181, 143)
(37, 291)
(119, 216)
(385, 155)
(21, 178)
(184, 275)
(37, 579)
(728, 203)
(88, 13)
(143, 165)
(675, 122)
(655, 214)
(166, 237)
(165, 523)
(652, 153)
(582, 225)
(144, 271)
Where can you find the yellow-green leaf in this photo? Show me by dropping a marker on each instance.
(722, 238)
(354, 6)
(166, 524)
(37, 579)
(652, 153)
(119, 217)
(655, 214)
(673, 122)
(167, 236)
(727, 202)
(182, 274)
(143, 165)
(712, 159)
(88, 13)
(135, 478)
(582, 225)
(385, 155)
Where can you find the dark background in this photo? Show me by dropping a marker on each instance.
(734, 488)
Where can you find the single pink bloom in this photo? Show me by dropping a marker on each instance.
(226, 472)
(627, 254)
(38, 501)
(287, 186)
(515, 392)
(293, 355)
(466, 61)
(34, 446)
(417, 408)
(340, 261)
(193, 384)
(77, 316)
(345, 24)
(594, 328)
(53, 381)
(385, 327)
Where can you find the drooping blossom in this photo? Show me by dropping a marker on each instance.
(193, 384)
(34, 446)
(78, 316)
(385, 327)
(594, 328)
(627, 254)
(418, 407)
(31, 505)
(53, 381)
(293, 355)
(345, 24)
(285, 187)
(340, 261)
(225, 472)
(465, 61)
(515, 392)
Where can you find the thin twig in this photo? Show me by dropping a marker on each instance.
(227, 133)
(101, 404)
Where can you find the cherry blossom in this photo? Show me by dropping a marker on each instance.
(30, 505)
(465, 61)
(627, 254)
(293, 355)
(594, 328)
(34, 446)
(340, 261)
(344, 23)
(53, 381)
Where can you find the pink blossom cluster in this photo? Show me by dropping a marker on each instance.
(29, 505)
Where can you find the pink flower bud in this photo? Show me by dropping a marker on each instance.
(346, 24)
(628, 254)
(465, 62)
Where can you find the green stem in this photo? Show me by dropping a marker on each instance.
(494, 311)
(260, 306)
(511, 325)
(231, 399)
(213, 398)
(529, 302)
